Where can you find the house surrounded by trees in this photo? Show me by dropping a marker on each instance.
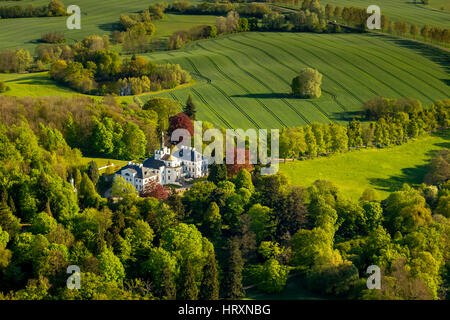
(167, 166)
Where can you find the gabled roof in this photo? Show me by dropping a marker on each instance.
(152, 163)
(141, 172)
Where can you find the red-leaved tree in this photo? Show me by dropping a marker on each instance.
(155, 190)
(180, 121)
(234, 168)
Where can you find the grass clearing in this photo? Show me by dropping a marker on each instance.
(385, 170)
(102, 162)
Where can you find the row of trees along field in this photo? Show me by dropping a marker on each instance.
(357, 17)
(53, 9)
(237, 228)
(242, 17)
(387, 122)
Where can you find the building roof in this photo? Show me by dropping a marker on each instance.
(141, 172)
(152, 163)
(188, 154)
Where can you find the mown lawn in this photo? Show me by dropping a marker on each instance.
(385, 170)
(102, 162)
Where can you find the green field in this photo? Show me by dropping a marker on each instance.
(34, 85)
(440, 4)
(405, 10)
(102, 162)
(244, 79)
(385, 170)
(97, 17)
(39, 85)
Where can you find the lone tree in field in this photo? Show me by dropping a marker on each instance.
(307, 84)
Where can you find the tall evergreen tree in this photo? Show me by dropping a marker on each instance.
(217, 172)
(168, 290)
(233, 274)
(209, 289)
(188, 289)
(190, 109)
(93, 172)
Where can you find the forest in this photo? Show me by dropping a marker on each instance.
(234, 229)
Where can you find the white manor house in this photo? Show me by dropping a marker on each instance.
(166, 167)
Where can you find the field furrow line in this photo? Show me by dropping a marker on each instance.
(292, 69)
(269, 88)
(218, 115)
(201, 97)
(391, 74)
(322, 112)
(357, 67)
(334, 67)
(399, 60)
(224, 94)
(388, 72)
(236, 105)
(296, 71)
(174, 97)
(241, 86)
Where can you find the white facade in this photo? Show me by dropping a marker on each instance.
(166, 167)
(131, 175)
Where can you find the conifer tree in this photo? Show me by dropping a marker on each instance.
(188, 287)
(167, 290)
(209, 289)
(190, 109)
(233, 274)
(93, 172)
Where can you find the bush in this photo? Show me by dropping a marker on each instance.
(53, 37)
(3, 87)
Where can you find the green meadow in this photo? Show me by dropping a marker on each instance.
(97, 17)
(243, 80)
(384, 170)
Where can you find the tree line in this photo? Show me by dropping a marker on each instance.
(52, 9)
(248, 17)
(392, 122)
(358, 17)
(106, 130)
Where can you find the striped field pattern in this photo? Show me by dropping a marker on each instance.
(243, 80)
